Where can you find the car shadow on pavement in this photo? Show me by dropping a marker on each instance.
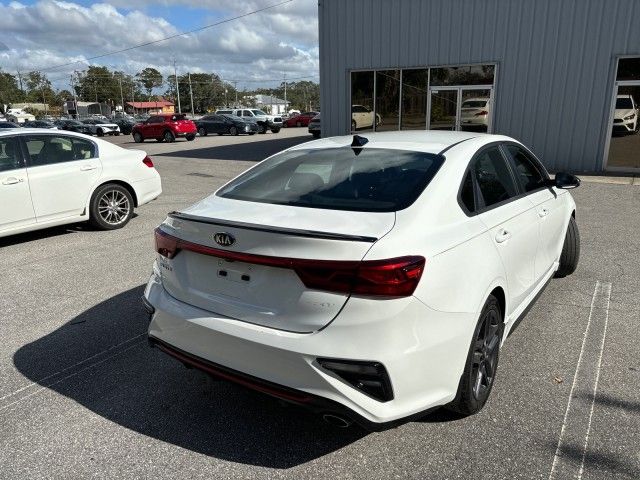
(57, 231)
(101, 360)
(250, 151)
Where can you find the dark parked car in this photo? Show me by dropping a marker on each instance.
(39, 124)
(9, 125)
(222, 124)
(74, 126)
(300, 120)
(165, 127)
(314, 126)
(126, 125)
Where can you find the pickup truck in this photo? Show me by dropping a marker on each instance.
(265, 122)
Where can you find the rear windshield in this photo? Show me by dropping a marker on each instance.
(376, 180)
(175, 118)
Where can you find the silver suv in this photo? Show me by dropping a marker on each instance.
(265, 122)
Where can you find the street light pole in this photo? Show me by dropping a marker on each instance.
(121, 94)
(175, 75)
(191, 94)
(285, 93)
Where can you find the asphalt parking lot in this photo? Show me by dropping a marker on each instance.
(82, 395)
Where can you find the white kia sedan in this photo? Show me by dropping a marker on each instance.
(371, 278)
(50, 178)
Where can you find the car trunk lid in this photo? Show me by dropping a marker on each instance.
(245, 274)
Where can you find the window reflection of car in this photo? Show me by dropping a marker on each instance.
(314, 126)
(474, 112)
(625, 117)
(362, 117)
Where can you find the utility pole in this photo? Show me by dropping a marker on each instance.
(20, 82)
(235, 87)
(191, 94)
(285, 93)
(175, 75)
(121, 94)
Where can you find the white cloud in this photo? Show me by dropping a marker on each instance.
(266, 45)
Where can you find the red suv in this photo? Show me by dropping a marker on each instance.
(300, 120)
(164, 127)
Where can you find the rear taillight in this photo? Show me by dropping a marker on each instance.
(395, 277)
(148, 162)
(482, 113)
(166, 245)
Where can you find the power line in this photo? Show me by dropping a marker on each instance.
(145, 44)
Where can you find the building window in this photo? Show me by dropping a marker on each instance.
(387, 104)
(414, 99)
(362, 84)
(465, 75)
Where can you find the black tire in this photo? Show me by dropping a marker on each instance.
(570, 250)
(275, 130)
(353, 125)
(100, 132)
(190, 137)
(316, 134)
(262, 128)
(111, 207)
(202, 131)
(117, 134)
(160, 140)
(233, 131)
(482, 361)
(220, 134)
(252, 133)
(168, 136)
(137, 137)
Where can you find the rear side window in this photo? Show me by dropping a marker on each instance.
(528, 174)
(376, 180)
(175, 118)
(493, 177)
(50, 149)
(466, 193)
(9, 154)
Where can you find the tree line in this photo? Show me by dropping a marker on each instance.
(100, 84)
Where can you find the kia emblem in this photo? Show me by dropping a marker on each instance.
(224, 239)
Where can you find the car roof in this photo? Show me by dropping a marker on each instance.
(428, 141)
(40, 131)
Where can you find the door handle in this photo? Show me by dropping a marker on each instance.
(12, 181)
(502, 236)
(86, 168)
(543, 213)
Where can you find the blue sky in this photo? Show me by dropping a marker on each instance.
(255, 50)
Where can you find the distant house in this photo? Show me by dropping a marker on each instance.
(155, 106)
(274, 105)
(84, 109)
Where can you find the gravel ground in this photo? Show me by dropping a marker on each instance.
(82, 395)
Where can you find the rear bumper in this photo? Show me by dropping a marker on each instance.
(149, 189)
(423, 351)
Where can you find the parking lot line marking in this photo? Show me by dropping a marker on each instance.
(595, 386)
(576, 424)
(81, 362)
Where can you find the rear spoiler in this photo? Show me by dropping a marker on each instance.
(294, 232)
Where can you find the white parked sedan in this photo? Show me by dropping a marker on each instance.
(50, 178)
(371, 278)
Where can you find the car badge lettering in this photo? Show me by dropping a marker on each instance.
(224, 239)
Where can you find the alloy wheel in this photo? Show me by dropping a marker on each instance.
(114, 207)
(485, 354)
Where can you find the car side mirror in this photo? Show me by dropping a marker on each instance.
(566, 181)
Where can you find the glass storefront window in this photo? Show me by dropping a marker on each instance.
(465, 75)
(387, 100)
(628, 69)
(362, 101)
(414, 99)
